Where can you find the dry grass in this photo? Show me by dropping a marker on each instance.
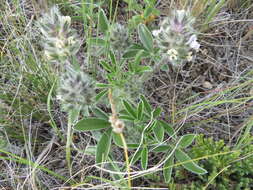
(212, 96)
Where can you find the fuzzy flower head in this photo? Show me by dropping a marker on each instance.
(117, 125)
(120, 38)
(59, 40)
(189, 57)
(176, 37)
(76, 90)
(181, 21)
(192, 42)
(173, 54)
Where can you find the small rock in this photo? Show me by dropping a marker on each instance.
(251, 92)
(207, 85)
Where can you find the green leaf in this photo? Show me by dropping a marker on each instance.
(150, 128)
(167, 128)
(133, 5)
(113, 58)
(145, 37)
(144, 69)
(157, 112)
(144, 158)
(131, 53)
(103, 147)
(130, 109)
(132, 145)
(161, 148)
(165, 67)
(147, 106)
(136, 156)
(136, 47)
(167, 169)
(133, 50)
(103, 23)
(100, 113)
(159, 132)
(126, 117)
(103, 85)
(140, 110)
(189, 165)
(101, 94)
(107, 66)
(90, 124)
(148, 11)
(137, 61)
(187, 140)
(117, 140)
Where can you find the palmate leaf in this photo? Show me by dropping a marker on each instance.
(90, 124)
(107, 66)
(147, 106)
(168, 128)
(188, 164)
(157, 112)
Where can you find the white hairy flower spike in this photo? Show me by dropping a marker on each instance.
(176, 37)
(120, 38)
(76, 90)
(59, 40)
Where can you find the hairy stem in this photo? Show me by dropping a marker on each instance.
(68, 143)
(127, 160)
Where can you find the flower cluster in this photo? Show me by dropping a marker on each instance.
(119, 37)
(76, 90)
(60, 41)
(176, 37)
(117, 125)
